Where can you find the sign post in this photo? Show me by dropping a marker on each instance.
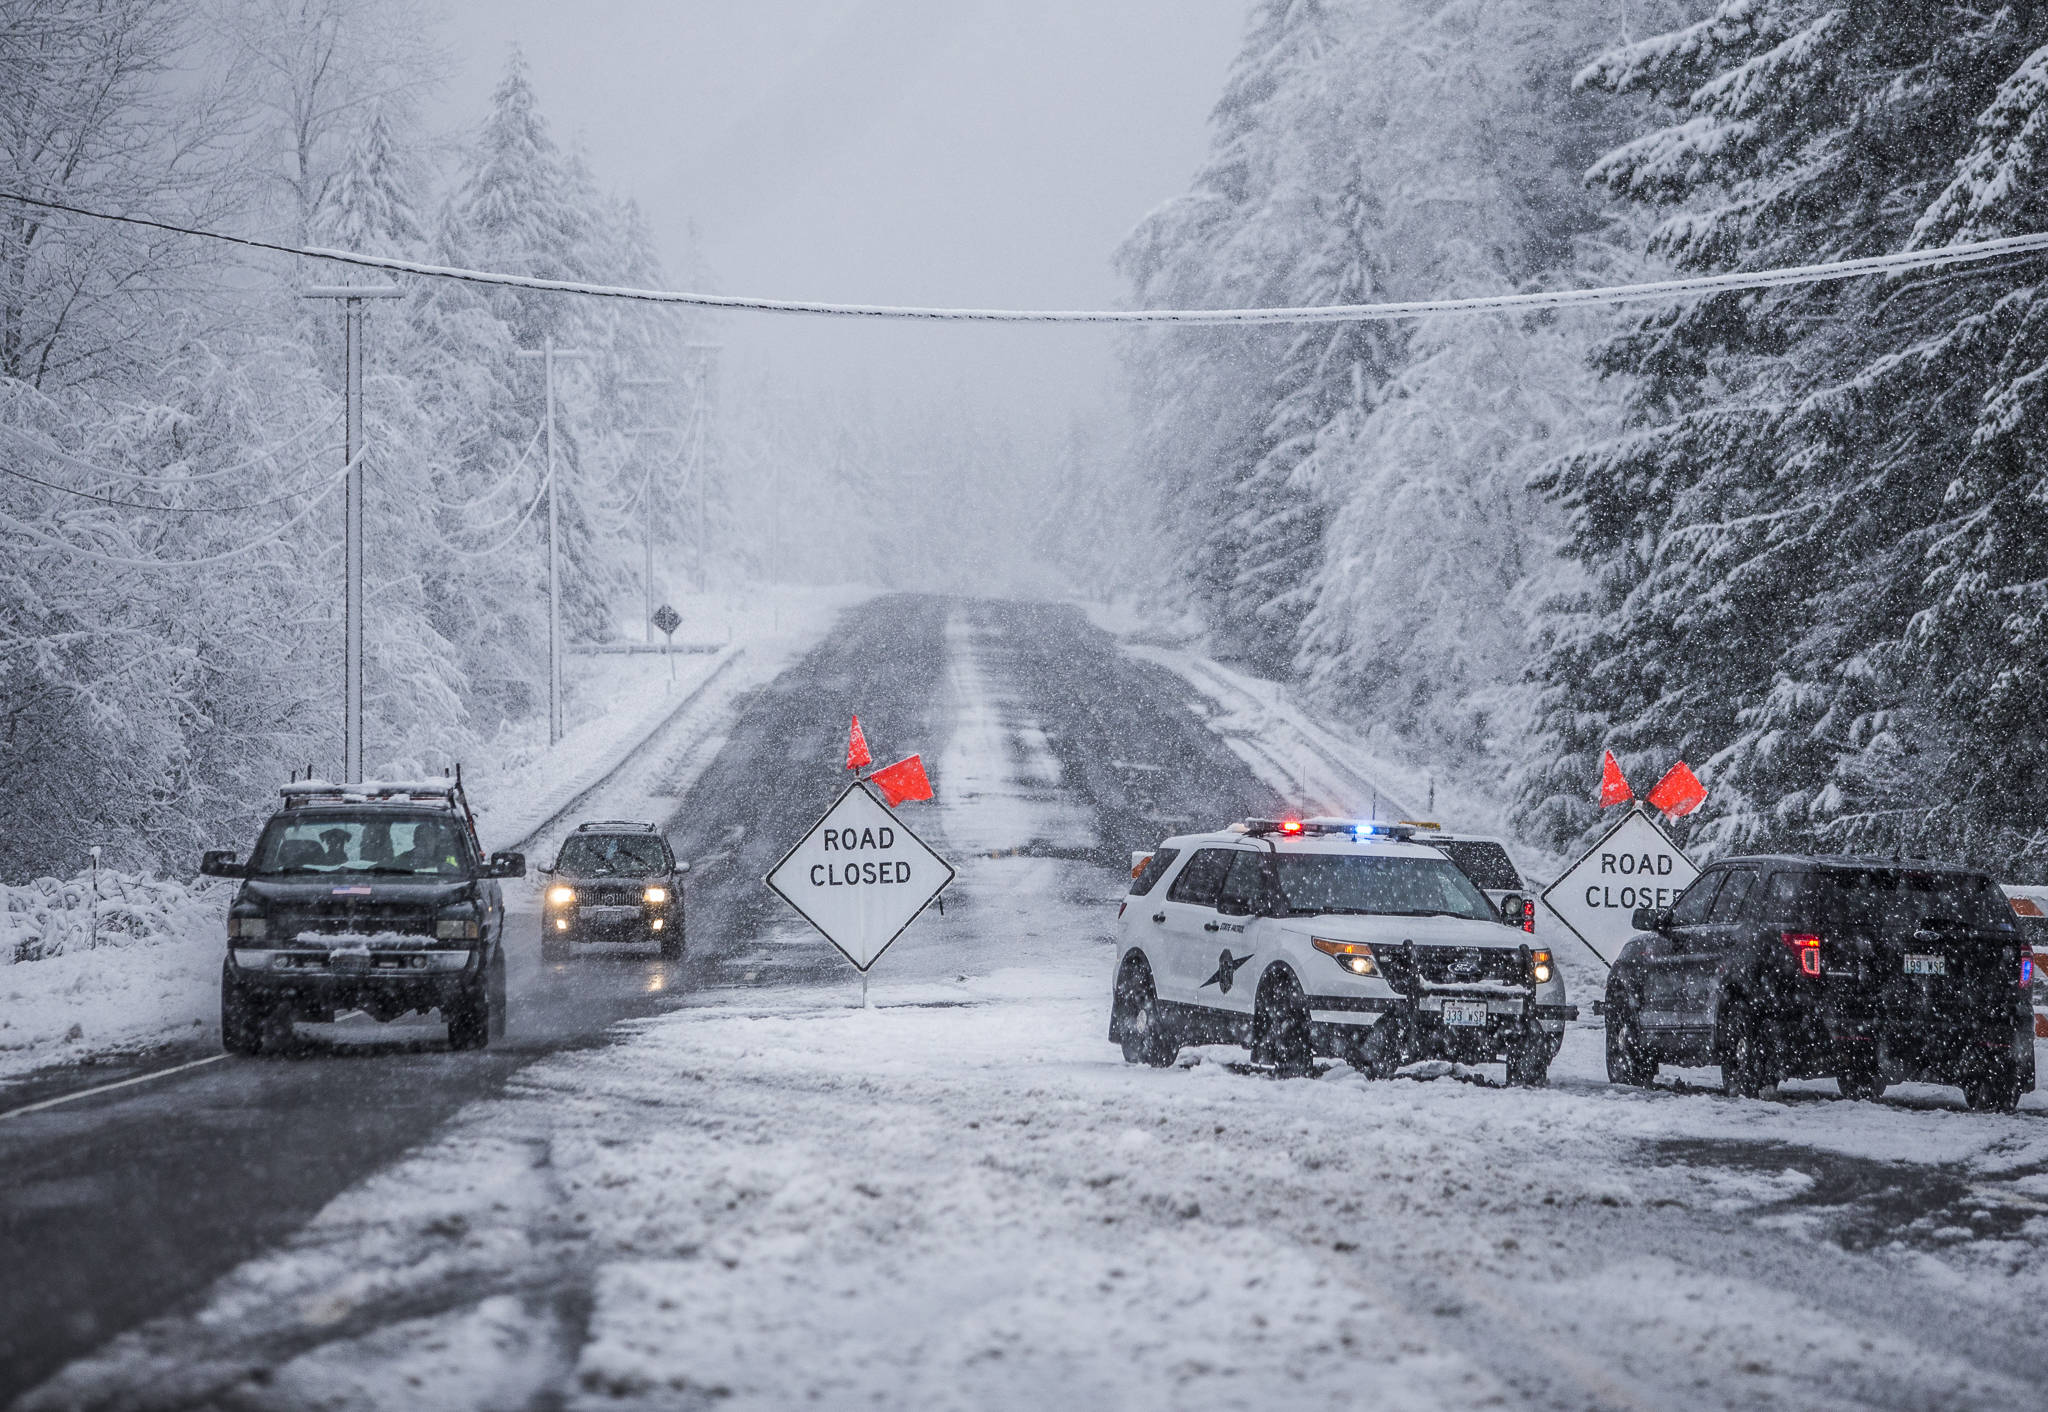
(1633, 865)
(860, 877)
(668, 620)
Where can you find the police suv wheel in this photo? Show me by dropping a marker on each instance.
(1529, 1060)
(1140, 1027)
(1997, 1090)
(1857, 1074)
(1745, 1052)
(1280, 1027)
(1628, 1058)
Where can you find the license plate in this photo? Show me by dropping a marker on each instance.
(1926, 965)
(607, 914)
(349, 962)
(1464, 1012)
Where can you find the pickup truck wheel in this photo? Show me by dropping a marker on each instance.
(1629, 1060)
(1280, 1027)
(1140, 1026)
(241, 1024)
(672, 942)
(495, 988)
(469, 1018)
(553, 945)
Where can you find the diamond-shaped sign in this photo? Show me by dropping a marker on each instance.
(860, 877)
(667, 619)
(1633, 866)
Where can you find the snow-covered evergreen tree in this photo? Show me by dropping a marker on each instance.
(1794, 586)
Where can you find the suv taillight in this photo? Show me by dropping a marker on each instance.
(1808, 947)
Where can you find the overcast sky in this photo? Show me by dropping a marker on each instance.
(986, 152)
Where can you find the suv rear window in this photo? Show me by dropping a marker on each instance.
(1155, 868)
(1487, 864)
(1893, 903)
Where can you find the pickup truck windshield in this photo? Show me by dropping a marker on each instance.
(339, 842)
(1392, 887)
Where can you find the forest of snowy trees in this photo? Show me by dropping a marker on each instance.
(1794, 536)
(170, 416)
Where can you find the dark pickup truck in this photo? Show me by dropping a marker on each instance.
(371, 897)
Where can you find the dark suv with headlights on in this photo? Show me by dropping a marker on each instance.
(614, 880)
(371, 897)
(1872, 971)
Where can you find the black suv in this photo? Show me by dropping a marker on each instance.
(371, 897)
(613, 881)
(1872, 971)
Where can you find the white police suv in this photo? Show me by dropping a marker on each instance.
(1327, 936)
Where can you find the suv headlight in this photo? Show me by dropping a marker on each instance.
(251, 928)
(655, 896)
(561, 896)
(458, 929)
(1354, 956)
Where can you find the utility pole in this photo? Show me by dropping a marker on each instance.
(693, 435)
(353, 441)
(706, 376)
(548, 354)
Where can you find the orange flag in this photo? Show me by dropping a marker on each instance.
(1679, 792)
(902, 782)
(1613, 786)
(857, 757)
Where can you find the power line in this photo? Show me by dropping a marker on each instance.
(141, 505)
(116, 561)
(1660, 290)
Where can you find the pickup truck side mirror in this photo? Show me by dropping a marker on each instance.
(220, 863)
(546, 868)
(682, 865)
(1511, 911)
(1651, 919)
(508, 865)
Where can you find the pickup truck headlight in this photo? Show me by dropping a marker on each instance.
(457, 929)
(561, 896)
(1539, 966)
(655, 896)
(1354, 956)
(253, 928)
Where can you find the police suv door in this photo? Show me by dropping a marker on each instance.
(1188, 928)
(1665, 957)
(1237, 924)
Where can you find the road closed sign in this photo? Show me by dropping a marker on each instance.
(1635, 865)
(860, 877)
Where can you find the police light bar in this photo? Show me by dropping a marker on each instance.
(1330, 828)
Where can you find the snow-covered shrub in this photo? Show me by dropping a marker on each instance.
(52, 916)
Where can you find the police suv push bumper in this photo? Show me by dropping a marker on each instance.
(860, 877)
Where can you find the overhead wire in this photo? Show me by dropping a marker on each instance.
(77, 462)
(546, 486)
(122, 562)
(165, 509)
(1659, 290)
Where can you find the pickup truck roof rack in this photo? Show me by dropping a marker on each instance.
(593, 825)
(445, 790)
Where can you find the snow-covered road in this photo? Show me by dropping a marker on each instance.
(963, 1198)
